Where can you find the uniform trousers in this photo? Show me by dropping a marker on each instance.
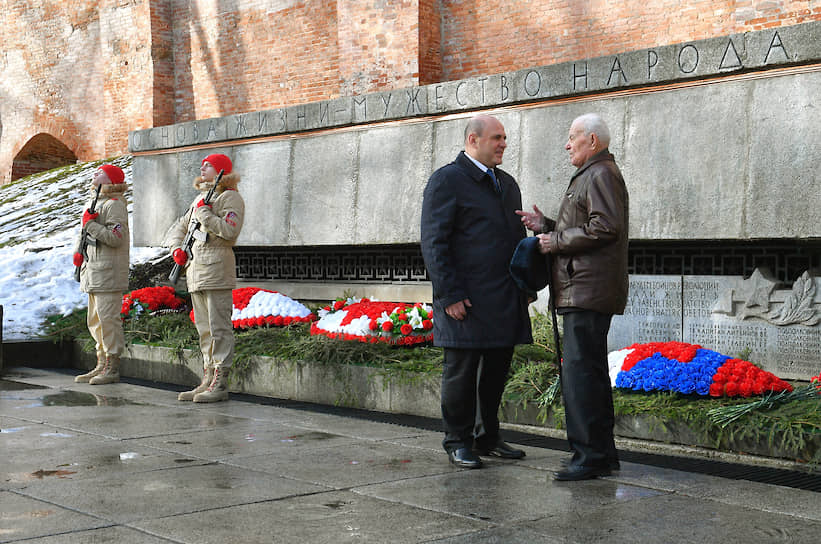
(212, 317)
(472, 384)
(586, 389)
(104, 322)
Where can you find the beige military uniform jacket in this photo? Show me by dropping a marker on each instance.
(106, 265)
(212, 265)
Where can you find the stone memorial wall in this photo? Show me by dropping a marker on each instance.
(723, 123)
(756, 318)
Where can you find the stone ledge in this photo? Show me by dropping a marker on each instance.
(370, 389)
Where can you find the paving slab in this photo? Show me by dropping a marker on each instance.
(245, 441)
(671, 518)
(504, 493)
(349, 465)
(166, 492)
(24, 517)
(34, 452)
(327, 518)
(106, 535)
(131, 464)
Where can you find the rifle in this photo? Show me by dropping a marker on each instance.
(193, 232)
(84, 235)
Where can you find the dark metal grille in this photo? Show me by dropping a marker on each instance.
(785, 259)
(392, 263)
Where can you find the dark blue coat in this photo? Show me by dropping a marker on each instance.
(469, 234)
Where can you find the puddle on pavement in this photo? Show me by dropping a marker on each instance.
(312, 435)
(9, 385)
(67, 398)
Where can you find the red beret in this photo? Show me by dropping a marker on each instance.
(114, 173)
(219, 162)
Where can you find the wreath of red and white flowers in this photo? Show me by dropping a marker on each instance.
(151, 299)
(371, 321)
(257, 307)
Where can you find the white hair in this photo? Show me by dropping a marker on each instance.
(592, 123)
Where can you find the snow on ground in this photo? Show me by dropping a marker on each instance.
(39, 227)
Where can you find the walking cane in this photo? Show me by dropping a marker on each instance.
(552, 305)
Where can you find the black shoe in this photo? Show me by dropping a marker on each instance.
(613, 464)
(465, 458)
(573, 474)
(501, 450)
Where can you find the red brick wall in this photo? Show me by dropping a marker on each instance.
(378, 45)
(265, 55)
(430, 42)
(43, 152)
(485, 36)
(88, 72)
(74, 70)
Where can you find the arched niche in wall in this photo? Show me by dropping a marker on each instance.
(43, 152)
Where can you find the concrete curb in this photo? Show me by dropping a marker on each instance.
(372, 389)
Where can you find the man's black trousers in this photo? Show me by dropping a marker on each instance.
(586, 388)
(472, 384)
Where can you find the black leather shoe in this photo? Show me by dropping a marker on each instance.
(501, 450)
(465, 458)
(613, 464)
(573, 474)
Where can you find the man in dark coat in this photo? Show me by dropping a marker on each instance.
(469, 233)
(588, 247)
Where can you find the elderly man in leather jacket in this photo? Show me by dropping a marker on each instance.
(588, 246)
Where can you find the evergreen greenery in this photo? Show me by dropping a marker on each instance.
(793, 426)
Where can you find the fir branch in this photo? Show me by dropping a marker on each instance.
(726, 415)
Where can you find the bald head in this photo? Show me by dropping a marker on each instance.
(485, 140)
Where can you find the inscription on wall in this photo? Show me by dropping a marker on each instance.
(753, 50)
(653, 311)
(749, 327)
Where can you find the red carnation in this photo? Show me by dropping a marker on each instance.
(339, 304)
(373, 325)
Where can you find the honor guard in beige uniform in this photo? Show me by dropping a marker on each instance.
(104, 272)
(211, 272)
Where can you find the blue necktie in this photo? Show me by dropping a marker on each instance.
(495, 181)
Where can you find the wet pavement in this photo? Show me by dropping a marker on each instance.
(128, 463)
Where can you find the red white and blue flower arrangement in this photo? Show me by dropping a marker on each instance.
(152, 300)
(257, 307)
(689, 369)
(370, 321)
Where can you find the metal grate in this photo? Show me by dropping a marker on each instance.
(785, 259)
(385, 264)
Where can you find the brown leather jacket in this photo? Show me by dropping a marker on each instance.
(589, 238)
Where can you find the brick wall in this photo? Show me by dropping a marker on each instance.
(482, 37)
(88, 72)
(74, 70)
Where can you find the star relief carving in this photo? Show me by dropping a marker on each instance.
(756, 291)
(754, 295)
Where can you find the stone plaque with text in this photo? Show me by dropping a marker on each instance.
(653, 312)
(777, 327)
